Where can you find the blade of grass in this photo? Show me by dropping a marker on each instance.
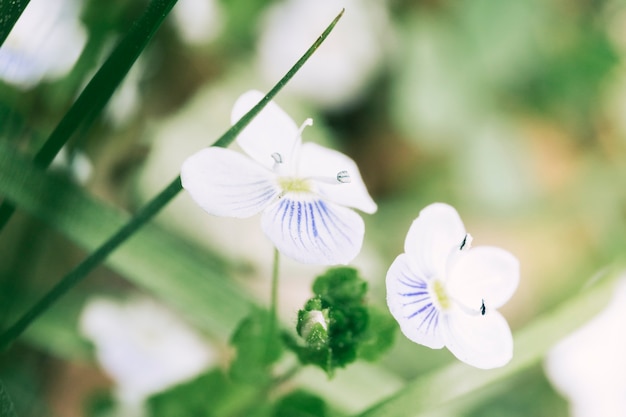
(10, 12)
(148, 211)
(100, 88)
(531, 344)
(194, 281)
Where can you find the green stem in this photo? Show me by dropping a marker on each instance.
(148, 211)
(272, 334)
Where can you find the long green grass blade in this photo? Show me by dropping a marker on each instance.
(10, 12)
(99, 90)
(531, 344)
(190, 279)
(148, 211)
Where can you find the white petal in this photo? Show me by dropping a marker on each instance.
(314, 231)
(433, 236)
(483, 273)
(482, 341)
(226, 183)
(411, 305)
(324, 164)
(271, 132)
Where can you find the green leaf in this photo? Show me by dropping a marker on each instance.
(256, 349)
(300, 404)
(10, 12)
(379, 336)
(6, 405)
(210, 395)
(192, 280)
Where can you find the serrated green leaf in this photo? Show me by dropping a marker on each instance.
(379, 336)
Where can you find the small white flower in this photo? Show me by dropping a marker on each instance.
(303, 190)
(442, 293)
(44, 44)
(143, 346)
(589, 366)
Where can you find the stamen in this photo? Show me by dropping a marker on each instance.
(483, 309)
(343, 177)
(277, 158)
(307, 122)
(467, 242)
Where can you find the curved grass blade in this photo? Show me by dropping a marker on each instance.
(192, 280)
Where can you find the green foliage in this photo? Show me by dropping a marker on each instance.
(300, 404)
(210, 395)
(336, 324)
(257, 345)
(6, 406)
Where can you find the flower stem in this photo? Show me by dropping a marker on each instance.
(147, 212)
(272, 334)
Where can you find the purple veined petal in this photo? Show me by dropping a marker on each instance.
(433, 236)
(410, 303)
(483, 274)
(325, 164)
(313, 231)
(227, 183)
(483, 341)
(270, 135)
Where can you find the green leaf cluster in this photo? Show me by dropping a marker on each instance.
(336, 324)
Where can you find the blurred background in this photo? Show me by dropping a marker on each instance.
(513, 112)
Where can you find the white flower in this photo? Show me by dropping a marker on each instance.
(303, 190)
(198, 22)
(589, 366)
(442, 293)
(143, 346)
(44, 43)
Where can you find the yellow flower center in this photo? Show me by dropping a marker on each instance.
(440, 294)
(294, 185)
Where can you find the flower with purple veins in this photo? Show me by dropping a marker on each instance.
(442, 293)
(305, 191)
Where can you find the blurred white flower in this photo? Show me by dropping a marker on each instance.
(197, 21)
(303, 190)
(44, 43)
(442, 293)
(344, 65)
(76, 163)
(589, 366)
(143, 346)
